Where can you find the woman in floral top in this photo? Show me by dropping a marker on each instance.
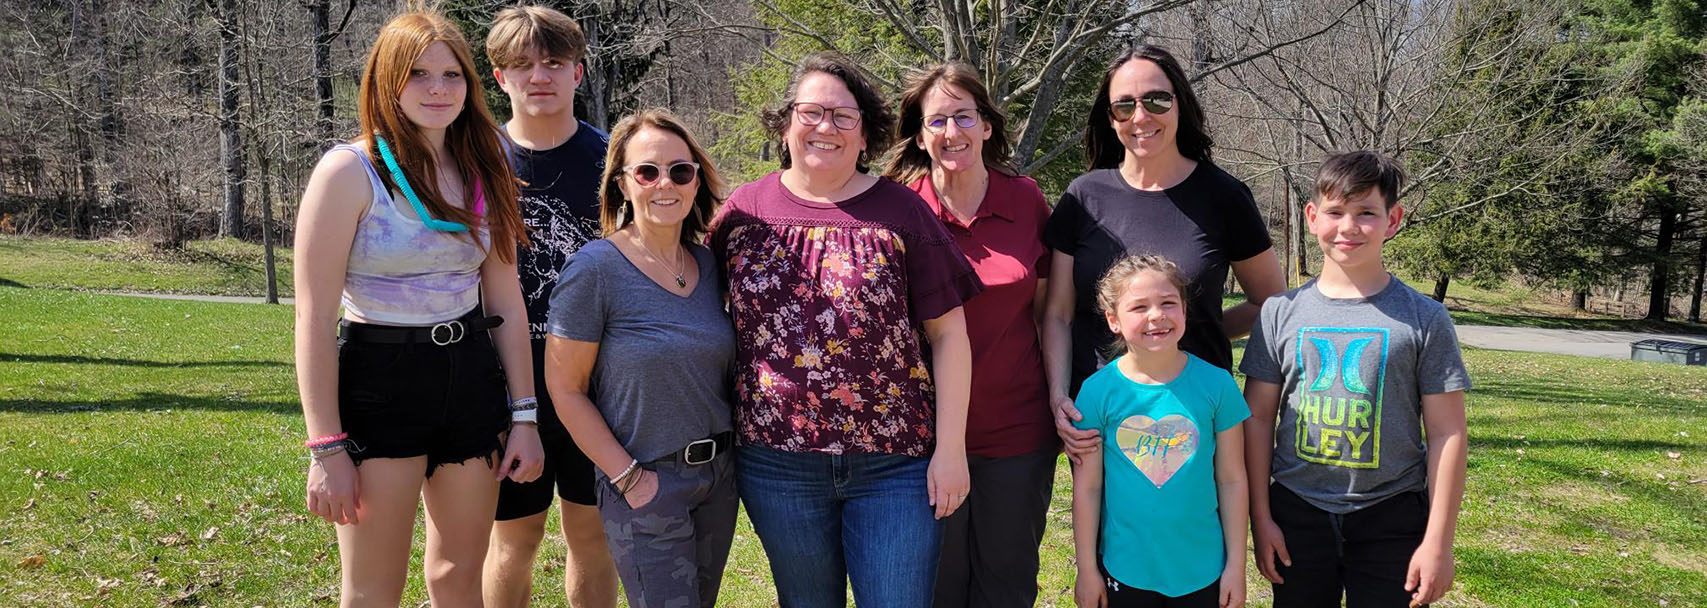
(852, 445)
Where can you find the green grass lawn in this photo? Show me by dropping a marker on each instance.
(226, 267)
(151, 458)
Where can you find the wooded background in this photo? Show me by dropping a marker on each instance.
(1558, 142)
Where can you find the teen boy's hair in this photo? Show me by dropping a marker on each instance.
(517, 29)
(1351, 174)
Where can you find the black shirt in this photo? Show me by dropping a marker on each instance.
(1203, 224)
(560, 207)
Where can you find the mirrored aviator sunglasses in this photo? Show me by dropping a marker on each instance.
(1154, 102)
(681, 173)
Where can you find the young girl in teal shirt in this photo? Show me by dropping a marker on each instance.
(1159, 519)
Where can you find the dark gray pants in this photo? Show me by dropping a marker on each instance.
(989, 545)
(670, 552)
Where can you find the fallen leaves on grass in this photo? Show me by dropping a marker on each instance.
(32, 562)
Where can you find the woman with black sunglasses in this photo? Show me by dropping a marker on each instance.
(639, 363)
(1151, 188)
(852, 434)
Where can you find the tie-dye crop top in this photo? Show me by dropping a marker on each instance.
(402, 273)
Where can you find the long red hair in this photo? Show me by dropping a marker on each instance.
(472, 139)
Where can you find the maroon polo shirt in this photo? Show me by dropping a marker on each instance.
(1009, 413)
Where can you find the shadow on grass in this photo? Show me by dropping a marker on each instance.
(4, 282)
(79, 360)
(1577, 396)
(148, 401)
(1543, 576)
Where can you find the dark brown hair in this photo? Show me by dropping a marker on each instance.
(1350, 174)
(472, 138)
(1102, 144)
(517, 29)
(875, 120)
(912, 162)
(614, 210)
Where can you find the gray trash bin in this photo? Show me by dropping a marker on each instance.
(1668, 351)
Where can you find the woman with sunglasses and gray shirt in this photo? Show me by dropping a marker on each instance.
(1151, 188)
(639, 364)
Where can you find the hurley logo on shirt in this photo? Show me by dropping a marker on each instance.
(1339, 410)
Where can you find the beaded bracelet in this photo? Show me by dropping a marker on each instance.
(632, 465)
(326, 440)
(525, 403)
(322, 454)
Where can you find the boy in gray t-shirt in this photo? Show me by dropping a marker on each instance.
(1356, 365)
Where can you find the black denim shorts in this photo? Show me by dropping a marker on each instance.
(448, 403)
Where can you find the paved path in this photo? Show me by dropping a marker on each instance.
(1580, 342)
(198, 298)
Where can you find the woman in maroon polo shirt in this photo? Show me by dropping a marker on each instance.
(953, 150)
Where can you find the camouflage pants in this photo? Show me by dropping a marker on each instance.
(670, 552)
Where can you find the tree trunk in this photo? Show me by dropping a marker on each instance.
(267, 228)
(230, 139)
(115, 202)
(1579, 300)
(595, 90)
(320, 10)
(1700, 274)
(1440, 285)
(1659, 278)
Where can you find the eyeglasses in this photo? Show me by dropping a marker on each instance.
(681, 172)
(936, 123)
(1154, 102)
(811, 115)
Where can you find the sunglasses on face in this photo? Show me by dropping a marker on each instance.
(681, 173)
(811, 115)
(936, 123)
(1154, 102)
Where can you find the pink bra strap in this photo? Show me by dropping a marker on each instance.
(479, 199)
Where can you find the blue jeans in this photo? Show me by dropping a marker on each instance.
(827, 519)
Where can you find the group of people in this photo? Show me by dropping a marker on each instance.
(864, 348)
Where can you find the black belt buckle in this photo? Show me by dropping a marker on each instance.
(448, 333)
(705, 447)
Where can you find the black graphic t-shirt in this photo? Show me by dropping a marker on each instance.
(560, 206)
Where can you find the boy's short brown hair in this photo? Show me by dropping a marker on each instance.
(517, 29)
(1350, 174)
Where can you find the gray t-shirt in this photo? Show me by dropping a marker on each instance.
(1352, 374)
(663, 375)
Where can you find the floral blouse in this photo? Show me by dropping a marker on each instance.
(828, 302)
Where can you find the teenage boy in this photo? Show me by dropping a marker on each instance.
(536, 54)
(1357, 365)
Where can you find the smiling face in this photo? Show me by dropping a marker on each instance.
(1146, 134)
(433, 95)
(952, 149)
(540, 86)
(824, 148)
(662, 202)
(1351, 230)
(1149, 315)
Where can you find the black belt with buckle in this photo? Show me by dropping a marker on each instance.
(442, 334)
(704, 450)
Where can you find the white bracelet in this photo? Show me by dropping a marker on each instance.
(632, 465)
(530, 415)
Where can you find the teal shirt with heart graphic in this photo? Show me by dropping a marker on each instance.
(1161, 529)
